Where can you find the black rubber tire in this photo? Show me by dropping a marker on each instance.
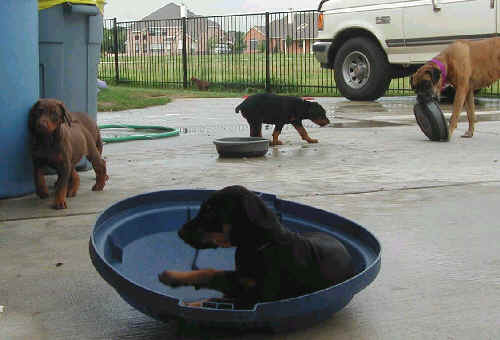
(431, 121)
(380, 74)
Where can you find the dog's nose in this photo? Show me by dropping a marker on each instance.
(43, 123)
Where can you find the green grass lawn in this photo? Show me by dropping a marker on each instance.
(297, 74)
(119, 98)
(241, 73)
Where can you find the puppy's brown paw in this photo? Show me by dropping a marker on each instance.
(170, 278)
(468, 134)
(42, 194)
(196, 304)
(98, 187)
(60, 205)
(311, 140)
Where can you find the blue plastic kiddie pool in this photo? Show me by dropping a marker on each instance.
(135, 239)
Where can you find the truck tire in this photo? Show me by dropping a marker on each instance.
(362, 71)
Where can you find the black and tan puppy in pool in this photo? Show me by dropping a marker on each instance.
(272, 262)
(280, 110)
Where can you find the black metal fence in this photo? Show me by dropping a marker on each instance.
(254, 51)
(271, 51)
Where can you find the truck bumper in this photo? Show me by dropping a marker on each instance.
(320, 51)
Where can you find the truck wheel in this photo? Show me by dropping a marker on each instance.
(362, 71)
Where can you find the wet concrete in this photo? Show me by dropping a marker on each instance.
(433, 205)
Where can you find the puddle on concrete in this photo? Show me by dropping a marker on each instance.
(364, 124)
(493, 117)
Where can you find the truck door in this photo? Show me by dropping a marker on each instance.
(430, 25)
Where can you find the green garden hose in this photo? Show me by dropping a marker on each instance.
(167, 132)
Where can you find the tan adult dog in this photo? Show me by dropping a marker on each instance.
(468, 66)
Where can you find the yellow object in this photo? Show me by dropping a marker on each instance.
(44, 4)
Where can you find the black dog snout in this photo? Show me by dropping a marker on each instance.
(181, 233)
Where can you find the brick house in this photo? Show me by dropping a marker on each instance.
(294, 33)
(161, 33)
(254, 38)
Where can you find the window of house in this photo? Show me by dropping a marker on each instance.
(137, 37)
(168, 42)
(253, 44)
(156, 47)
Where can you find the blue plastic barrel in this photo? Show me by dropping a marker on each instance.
(70, 45)
(19, 90)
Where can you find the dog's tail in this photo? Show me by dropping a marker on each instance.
(238, 108)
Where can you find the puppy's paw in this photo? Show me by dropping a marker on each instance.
(311, 140)
(170, 278)
(196, 304)
(42, 194)
(60, 205)
(98, 186)
(468, 134)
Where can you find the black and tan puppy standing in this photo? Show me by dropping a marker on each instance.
(280, 110)
(468, 66)
(272, 263)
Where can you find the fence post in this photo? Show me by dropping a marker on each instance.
(184, 52)
(115, 48)
(268, 76)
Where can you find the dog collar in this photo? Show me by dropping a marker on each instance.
(443, 71)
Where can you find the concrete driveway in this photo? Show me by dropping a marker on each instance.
(433, 205)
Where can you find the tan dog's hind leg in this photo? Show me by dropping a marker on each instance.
(458, 104)
(471, 113)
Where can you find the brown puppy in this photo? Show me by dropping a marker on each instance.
(468, 66)
(202, 85)
(59, 139)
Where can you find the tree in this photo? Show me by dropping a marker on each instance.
(261, 47)
(239, 44)
(211, 44)
(108, 40)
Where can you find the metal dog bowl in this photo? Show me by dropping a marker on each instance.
(135, 239)
(242, 146)
(431, 120)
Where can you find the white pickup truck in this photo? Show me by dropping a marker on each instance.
(370, 42)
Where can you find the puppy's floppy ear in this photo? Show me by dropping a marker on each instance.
(435, 75)
(315, 108)
(65, 113)
(32, 116)
(257, 212)
(412, 82)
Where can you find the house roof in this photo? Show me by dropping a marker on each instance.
(196, 27)
(170, 11)
(303, 26)
(296, 26)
